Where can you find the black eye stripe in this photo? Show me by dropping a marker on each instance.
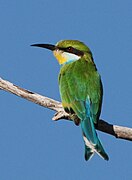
(78, 52)
(72, 50)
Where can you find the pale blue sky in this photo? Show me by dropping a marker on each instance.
(32, 146)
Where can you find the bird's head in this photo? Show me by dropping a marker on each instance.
(67, 51)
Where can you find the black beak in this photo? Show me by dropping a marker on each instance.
(47, 46)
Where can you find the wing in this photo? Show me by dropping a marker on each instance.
(81, 89)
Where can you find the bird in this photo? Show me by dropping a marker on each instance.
(81, 90)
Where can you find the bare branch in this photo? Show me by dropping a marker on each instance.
(117, 131)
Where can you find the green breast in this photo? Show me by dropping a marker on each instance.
(78, 81)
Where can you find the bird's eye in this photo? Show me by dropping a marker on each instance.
(69, 48)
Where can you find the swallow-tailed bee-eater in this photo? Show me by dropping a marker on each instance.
(81, 90)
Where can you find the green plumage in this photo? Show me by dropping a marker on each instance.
(78, 81)
(80, 89)
(81, 93)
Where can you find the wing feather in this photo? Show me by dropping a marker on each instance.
(77, 82)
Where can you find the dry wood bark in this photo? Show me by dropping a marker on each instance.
(117, 131)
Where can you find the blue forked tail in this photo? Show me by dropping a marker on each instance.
(92, 142)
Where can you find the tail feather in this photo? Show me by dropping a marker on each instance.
(101, 150)
(89, 130)
(88, 153)
(92, 142)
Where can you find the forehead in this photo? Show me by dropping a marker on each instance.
(74, 43)
(67, 42)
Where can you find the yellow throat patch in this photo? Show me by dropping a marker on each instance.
(64, 57)
(59, 56)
